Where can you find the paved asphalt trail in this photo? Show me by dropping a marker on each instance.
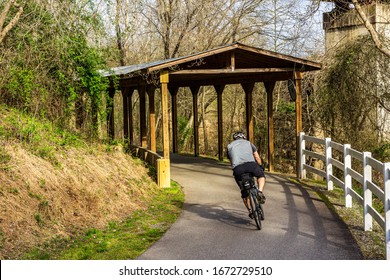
(214, 224)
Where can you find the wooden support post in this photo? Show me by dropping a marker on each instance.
(195, 91)
(130, 115)
(142, 116)
(152, 119)
(110, 115)
(164, 80)
(233, 60)
(248, 89)
(125, 94)
(173, 91)
(298, 114)
(219, 89)
(163, 165)
(163, 173)
(127, 114)
(269, 87)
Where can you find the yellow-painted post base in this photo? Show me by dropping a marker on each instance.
(163, 173)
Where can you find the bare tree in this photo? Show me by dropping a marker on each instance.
(172, 21)
(119, 38)
(133, 42)
(3, 17)
(191, 26)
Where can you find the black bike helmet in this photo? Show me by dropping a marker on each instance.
(238, 135)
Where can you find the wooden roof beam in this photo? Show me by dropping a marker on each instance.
(225, 71)
(181, 81)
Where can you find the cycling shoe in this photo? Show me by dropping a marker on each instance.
(260, 197)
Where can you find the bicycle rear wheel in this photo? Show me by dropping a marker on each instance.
(255, 209)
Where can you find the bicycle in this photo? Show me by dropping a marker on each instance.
(250, 185)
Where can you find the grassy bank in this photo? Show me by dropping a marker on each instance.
(118, 240)
(64, 197)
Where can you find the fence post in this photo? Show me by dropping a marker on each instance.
(328, 164)
(386, 177)
(367, 195)
(302, 171)
(347, 177)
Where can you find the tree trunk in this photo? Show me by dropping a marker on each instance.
(119, 39)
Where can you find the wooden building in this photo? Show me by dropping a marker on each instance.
(235, 63)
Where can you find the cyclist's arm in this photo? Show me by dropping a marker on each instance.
(257, 158)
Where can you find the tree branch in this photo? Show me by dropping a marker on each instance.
(12, 23)
(374, 34)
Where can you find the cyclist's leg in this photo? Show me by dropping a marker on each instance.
(244, 193)
(260, 195)
(247, 204)
(259, 174)
(261, 183)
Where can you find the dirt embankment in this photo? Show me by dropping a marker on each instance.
(40, 200)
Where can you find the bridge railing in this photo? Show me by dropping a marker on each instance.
(343, 167)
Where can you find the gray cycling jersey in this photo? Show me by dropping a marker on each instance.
(240, 151)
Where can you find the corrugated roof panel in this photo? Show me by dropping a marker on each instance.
(125, 70)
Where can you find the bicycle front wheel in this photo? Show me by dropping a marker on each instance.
(261, 211)
(255, 210)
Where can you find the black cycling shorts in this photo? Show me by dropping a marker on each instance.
(248, 167)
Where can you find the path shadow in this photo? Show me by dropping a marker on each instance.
(322, 235)
(231, 217)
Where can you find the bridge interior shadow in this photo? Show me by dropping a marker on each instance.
(201, 166)
(183, 159)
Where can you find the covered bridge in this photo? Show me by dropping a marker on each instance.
(235, 63)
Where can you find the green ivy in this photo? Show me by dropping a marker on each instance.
(348, 93)
(382, 152)
(86, 62)
(286, 107)
(20, 86)
(53, 64)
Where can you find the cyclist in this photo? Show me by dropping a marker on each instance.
(244, 158)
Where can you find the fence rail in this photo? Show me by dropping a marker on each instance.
(145, 154)
(344, 166)
(161, 165)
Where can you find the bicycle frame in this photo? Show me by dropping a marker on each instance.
(249, 184)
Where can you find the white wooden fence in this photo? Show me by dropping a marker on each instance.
(370, 189)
